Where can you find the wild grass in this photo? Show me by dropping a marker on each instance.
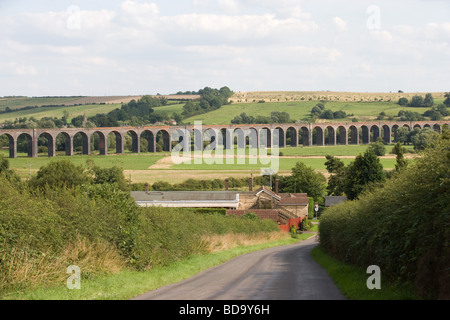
(26, 268)
(351, 280)
(127, 283)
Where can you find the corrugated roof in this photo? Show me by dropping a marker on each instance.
(184, 195)
(294, 201)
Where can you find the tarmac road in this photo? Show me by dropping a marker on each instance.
(280, 273)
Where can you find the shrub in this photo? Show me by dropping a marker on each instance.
(386, 225)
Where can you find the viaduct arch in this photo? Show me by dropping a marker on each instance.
(192, 137)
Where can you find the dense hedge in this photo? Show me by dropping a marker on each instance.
(41, 223)
(403, 227)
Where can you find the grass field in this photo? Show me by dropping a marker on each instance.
(152, 167)
(74, 111)
(301, 109)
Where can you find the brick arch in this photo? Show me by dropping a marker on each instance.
(331, 137)
(68, 142)
(279, 136)
(376, 132)
(150, 137)
(318, 136)
(343, 135)
(305, 135)
(31, 143)
(165, 136)
(12, 145)
(120, 140)
(265, 137)
(293, 136)
(51, 143)
(353, 135)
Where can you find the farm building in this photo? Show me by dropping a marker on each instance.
(264, 202)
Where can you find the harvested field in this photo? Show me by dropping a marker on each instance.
(283, 96)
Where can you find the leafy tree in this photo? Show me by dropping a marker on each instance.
(337, 171)
(403, 101)
(327, 114)
(424, 138)
(366, 169)
(59, 174)
(428, 101)
(447, 100)
(442, 109)
(401, 162)
(378, 147)
(113, 175)
(339, 114)
(306, 180)
(316, 110)
(417, 101)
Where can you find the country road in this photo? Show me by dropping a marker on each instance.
(280, 273)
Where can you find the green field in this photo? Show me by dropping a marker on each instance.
(282, 164)
(20, 102)
(127, 161)
(301, 109)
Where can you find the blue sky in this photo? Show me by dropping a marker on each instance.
(126, 47)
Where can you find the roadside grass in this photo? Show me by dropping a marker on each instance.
(127, 284)
(352, 280)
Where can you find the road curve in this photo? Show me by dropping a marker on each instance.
(280, 273)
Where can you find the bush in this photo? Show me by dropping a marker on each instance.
(403, 226)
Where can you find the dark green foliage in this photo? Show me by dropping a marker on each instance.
(447, 99)
(275, 117)
(403, 101)
(378, 147)
(211, 99)
(59, 174)
(416, 102)
(423, 138)
(403, 227)
(44, 222)
(337, 171)
(220, 211)
(401, 162)
(113, 175)
(251, 216)
(304, 179)
(364, 171)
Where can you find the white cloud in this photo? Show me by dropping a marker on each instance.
(340, 24)
(229, 6)
(137, 47)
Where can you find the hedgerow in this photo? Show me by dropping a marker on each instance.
(403, 226)
(41, 228)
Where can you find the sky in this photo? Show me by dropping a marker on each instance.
(132, 47)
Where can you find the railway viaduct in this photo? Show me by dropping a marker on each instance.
(255, 135)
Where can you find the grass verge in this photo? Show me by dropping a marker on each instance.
(127, 284)
(352, 280)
